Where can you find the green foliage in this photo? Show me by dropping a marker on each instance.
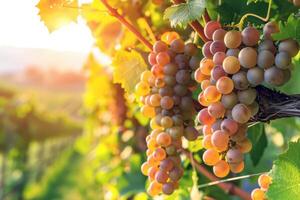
(286, 175)
(184, 13)
(289, 29)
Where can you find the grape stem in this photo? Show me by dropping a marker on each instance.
(275, 105)
(265, 19)
(114, 12)
(195, 24)
(226, 187)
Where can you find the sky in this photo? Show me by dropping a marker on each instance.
(20, 26)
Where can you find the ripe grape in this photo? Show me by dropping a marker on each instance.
(218, 58)
(166, 164)
(190, 133)
(230, 126)
(233, 39)
(254, 108)
(160, 46)
(221, 169)
(210, 157)
(176, 173)
(255, 76)
(212, 94)
(234, 156)
(166, 91)
(166, 102)
(247, 97)
(217, 46)
(210, 28)
(175, 132)
(168, 188)
(240, 80)
(142, 89)
(250, 36)
(161, 176)
(145, 168)
(163, 58)
(186, 103)
(236, 167)
(194, 62)
(148, 111)
(157, 71)
(154, 188)
(152, 58)
(205, 118)
(207, 130)
(231, 65)
(229, 100)
(152, 161)
(205, 84)
(166, 122)
(202, 100)
(241, 113)
(206, 65)
(157, 2)
(225, 85)
(219, 140)
(258, 194)
(219, 34)
(169, 80)
(217, 72)
(206, 142)
(180, 90)
(182, 59)
(264, 181)
(287, 75)
(171, 150)
(183, 77)
(190, 49)
(283, 60)
(199, 76)
(164, 139)
(206, 50)
(245, 145)
(265, 59)
(233, 52)
(291, 46)
(274, 76)
(177, 45)
(267, 45)
(269, 29)
(169, 37)
(240, 135)
(216, 126)
(248, 57)
(170, 69)
(216, 110)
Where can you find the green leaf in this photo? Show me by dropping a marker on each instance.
(289, 29)
(182, 14)
(257, 135)
(128, 67)
(286, 175)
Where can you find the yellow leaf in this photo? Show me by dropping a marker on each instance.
(128, 67)
(57, 13)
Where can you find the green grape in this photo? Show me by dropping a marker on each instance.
(254, 108)
(229, 100)
(247, 97)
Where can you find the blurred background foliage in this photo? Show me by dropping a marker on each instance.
(73, 145)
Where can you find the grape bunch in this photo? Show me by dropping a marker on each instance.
(234, 63)
(166, 97)
(264, 182)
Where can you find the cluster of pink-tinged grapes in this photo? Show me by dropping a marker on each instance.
(166, 96)
(264, 182)
(234, 63)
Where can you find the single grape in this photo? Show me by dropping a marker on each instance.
(248, 57)
(250, 36)
(206, 142)
(225, 85)
(267, 45)
(216, 110)
(152, 161)
(247, 97)
(164, 139)
(163, 58)
(234, 156)
(218, 58)
(176, 173)
(205, 118)
(212, 94)
(206, 50)
(219, 140)
(145, 168)
(258, 194)
(265, 59)
(241, 113)
(274, 76)
(160, 46)
(210, 157)
(170, 69)
(182, 59)
(291, 46)
(230, 126)
(254, 108)
(233, 39)
(186, 103)
(166, 102)
(157, 71)
(183, 77)
(166, 91)
(240, 135)
(169, 80)
(206, 65)
(166, 164)
(233, 52)
(217, 72)
(236, 167)
(171, 150)
(210, 28)
(240, 80)
(154, 188)
(190, 49)
(283, 60)
(229, 100)
(168, 188)
(245, 145)
(169, 37)
(205, 84)
(287, 75)
(217, 46)
(269, 29)
(180, 90)
(221, 169)
(177, 45)
(161, 176)
(152, 58)
(191, 133)
(219, 34)
(231, 65)
(199, 76)
(142, 89)
(166, 122)
(194, 62)
(264, 181)
(255, 76)
(216, 126)
(148, 111)
(151, 144)
(202, 100)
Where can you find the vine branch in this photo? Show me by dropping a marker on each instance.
(226, 187)
(114, 12)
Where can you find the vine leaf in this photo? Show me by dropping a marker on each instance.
(290, 29)
(57, 13)
(182, 14)
(257, 135)
(128, 67)
(286, 174)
